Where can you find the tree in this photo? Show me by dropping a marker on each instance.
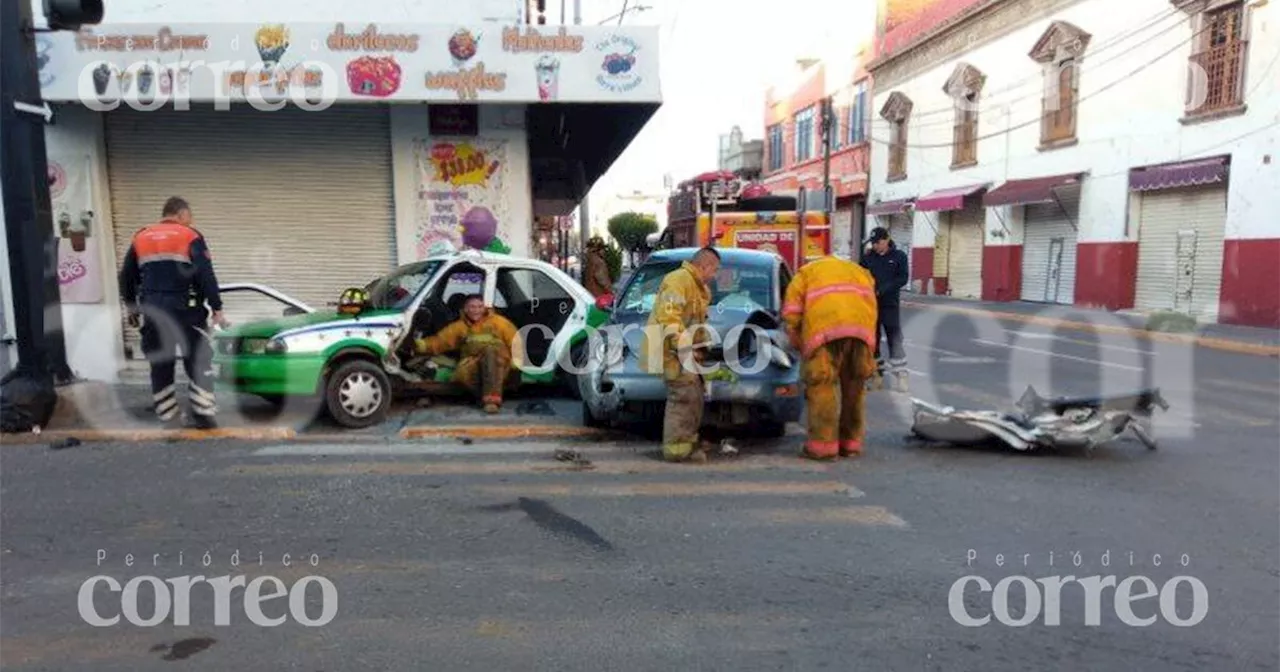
(613, 257)
(630, 230)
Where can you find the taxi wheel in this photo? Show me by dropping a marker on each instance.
(358, 394)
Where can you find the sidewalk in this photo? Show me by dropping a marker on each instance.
(100, 412)
(1231, 338)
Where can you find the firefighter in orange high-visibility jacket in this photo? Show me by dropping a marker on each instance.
(487, 343)
(830, 313)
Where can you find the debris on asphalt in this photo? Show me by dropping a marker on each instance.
(466, 440)
(728, 449)
(1037, 422)
(69, 442)
(575, 457)
(536, 407)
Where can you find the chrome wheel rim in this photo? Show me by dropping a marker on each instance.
(360, 394)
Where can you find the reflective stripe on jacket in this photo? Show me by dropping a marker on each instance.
(470, 337)
(829, 299)
(169, 261)
(681, 304)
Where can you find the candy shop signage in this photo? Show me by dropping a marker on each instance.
(461, 164)
(467, 83)
(371, 40)
(162, 40)
(516, 41)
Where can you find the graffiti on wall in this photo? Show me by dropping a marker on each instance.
(462, 192)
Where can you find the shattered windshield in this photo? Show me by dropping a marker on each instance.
(735, 288)
(396, 290)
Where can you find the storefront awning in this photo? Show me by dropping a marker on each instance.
(949, 199)
(1032, 190)
(889, 207)
(1174, 175)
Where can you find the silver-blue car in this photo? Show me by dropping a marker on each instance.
(745, 313)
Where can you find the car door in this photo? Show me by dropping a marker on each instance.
(543, 306)
(244, 302)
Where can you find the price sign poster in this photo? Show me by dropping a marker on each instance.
(79, 254)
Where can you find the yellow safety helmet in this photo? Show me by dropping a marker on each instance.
(353, 301)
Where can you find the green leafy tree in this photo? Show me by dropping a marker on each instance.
(630, 229)
(613, 258)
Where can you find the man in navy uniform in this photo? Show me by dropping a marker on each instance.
(888, 265)
(168, 276)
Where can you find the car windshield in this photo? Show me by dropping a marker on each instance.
(396, 290)
(735, 288)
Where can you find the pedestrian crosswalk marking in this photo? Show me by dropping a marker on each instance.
(690, 489)
(471, 467)
(858, 515)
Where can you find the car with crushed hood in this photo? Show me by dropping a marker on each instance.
(746, 315)
(357, 362)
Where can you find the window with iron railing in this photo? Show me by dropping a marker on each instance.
(1217, 68)
(776, 148)
(804, 134)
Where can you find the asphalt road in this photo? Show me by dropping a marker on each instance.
(447, 556)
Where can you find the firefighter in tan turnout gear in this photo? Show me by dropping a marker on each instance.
(830, 312)
(676, 327)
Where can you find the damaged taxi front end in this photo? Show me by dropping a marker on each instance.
(1038, 423)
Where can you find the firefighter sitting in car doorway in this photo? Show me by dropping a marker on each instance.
(486, 341)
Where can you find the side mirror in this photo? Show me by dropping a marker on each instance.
(290, 311)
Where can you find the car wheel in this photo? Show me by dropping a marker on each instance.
(590, 420)
(358, 394)
(578, 360)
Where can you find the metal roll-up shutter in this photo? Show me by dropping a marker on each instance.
(1180, 247)
(900, 232)
(1049, 250)
(842, 235)
(967, 238)
(301, 201)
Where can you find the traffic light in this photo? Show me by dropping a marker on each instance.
(72, 14)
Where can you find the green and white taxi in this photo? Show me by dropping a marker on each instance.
(357, 363)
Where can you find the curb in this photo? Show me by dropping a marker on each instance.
(156, 435)
(1223, 344)
(515, 432)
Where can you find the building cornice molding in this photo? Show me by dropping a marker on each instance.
(1061, 41)
(980, 24)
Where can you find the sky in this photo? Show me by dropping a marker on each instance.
(717, 59)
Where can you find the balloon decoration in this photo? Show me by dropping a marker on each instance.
(479, 227)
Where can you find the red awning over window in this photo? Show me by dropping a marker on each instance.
(1174, 175)
(948, 199)
(889, 207)
(1032, 190)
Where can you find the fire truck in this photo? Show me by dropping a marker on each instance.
(721, 209)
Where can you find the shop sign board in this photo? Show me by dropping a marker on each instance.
(169, 65)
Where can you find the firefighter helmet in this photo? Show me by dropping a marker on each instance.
(755, 191)
(353, 301)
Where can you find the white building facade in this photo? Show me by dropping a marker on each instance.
(1088, 153)
(318, 155)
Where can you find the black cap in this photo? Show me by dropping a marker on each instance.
(877, 234)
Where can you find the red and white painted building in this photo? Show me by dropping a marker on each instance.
(793, 152)
(1085, 152)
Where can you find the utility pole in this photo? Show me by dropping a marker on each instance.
(28, 218)
(828, 136)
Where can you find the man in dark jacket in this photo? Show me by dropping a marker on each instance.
(888, 265)
(166, 280)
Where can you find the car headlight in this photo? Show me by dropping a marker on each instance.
(610, 352)
(262, 346)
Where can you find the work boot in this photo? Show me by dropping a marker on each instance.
(203, 422)
(902, 381)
